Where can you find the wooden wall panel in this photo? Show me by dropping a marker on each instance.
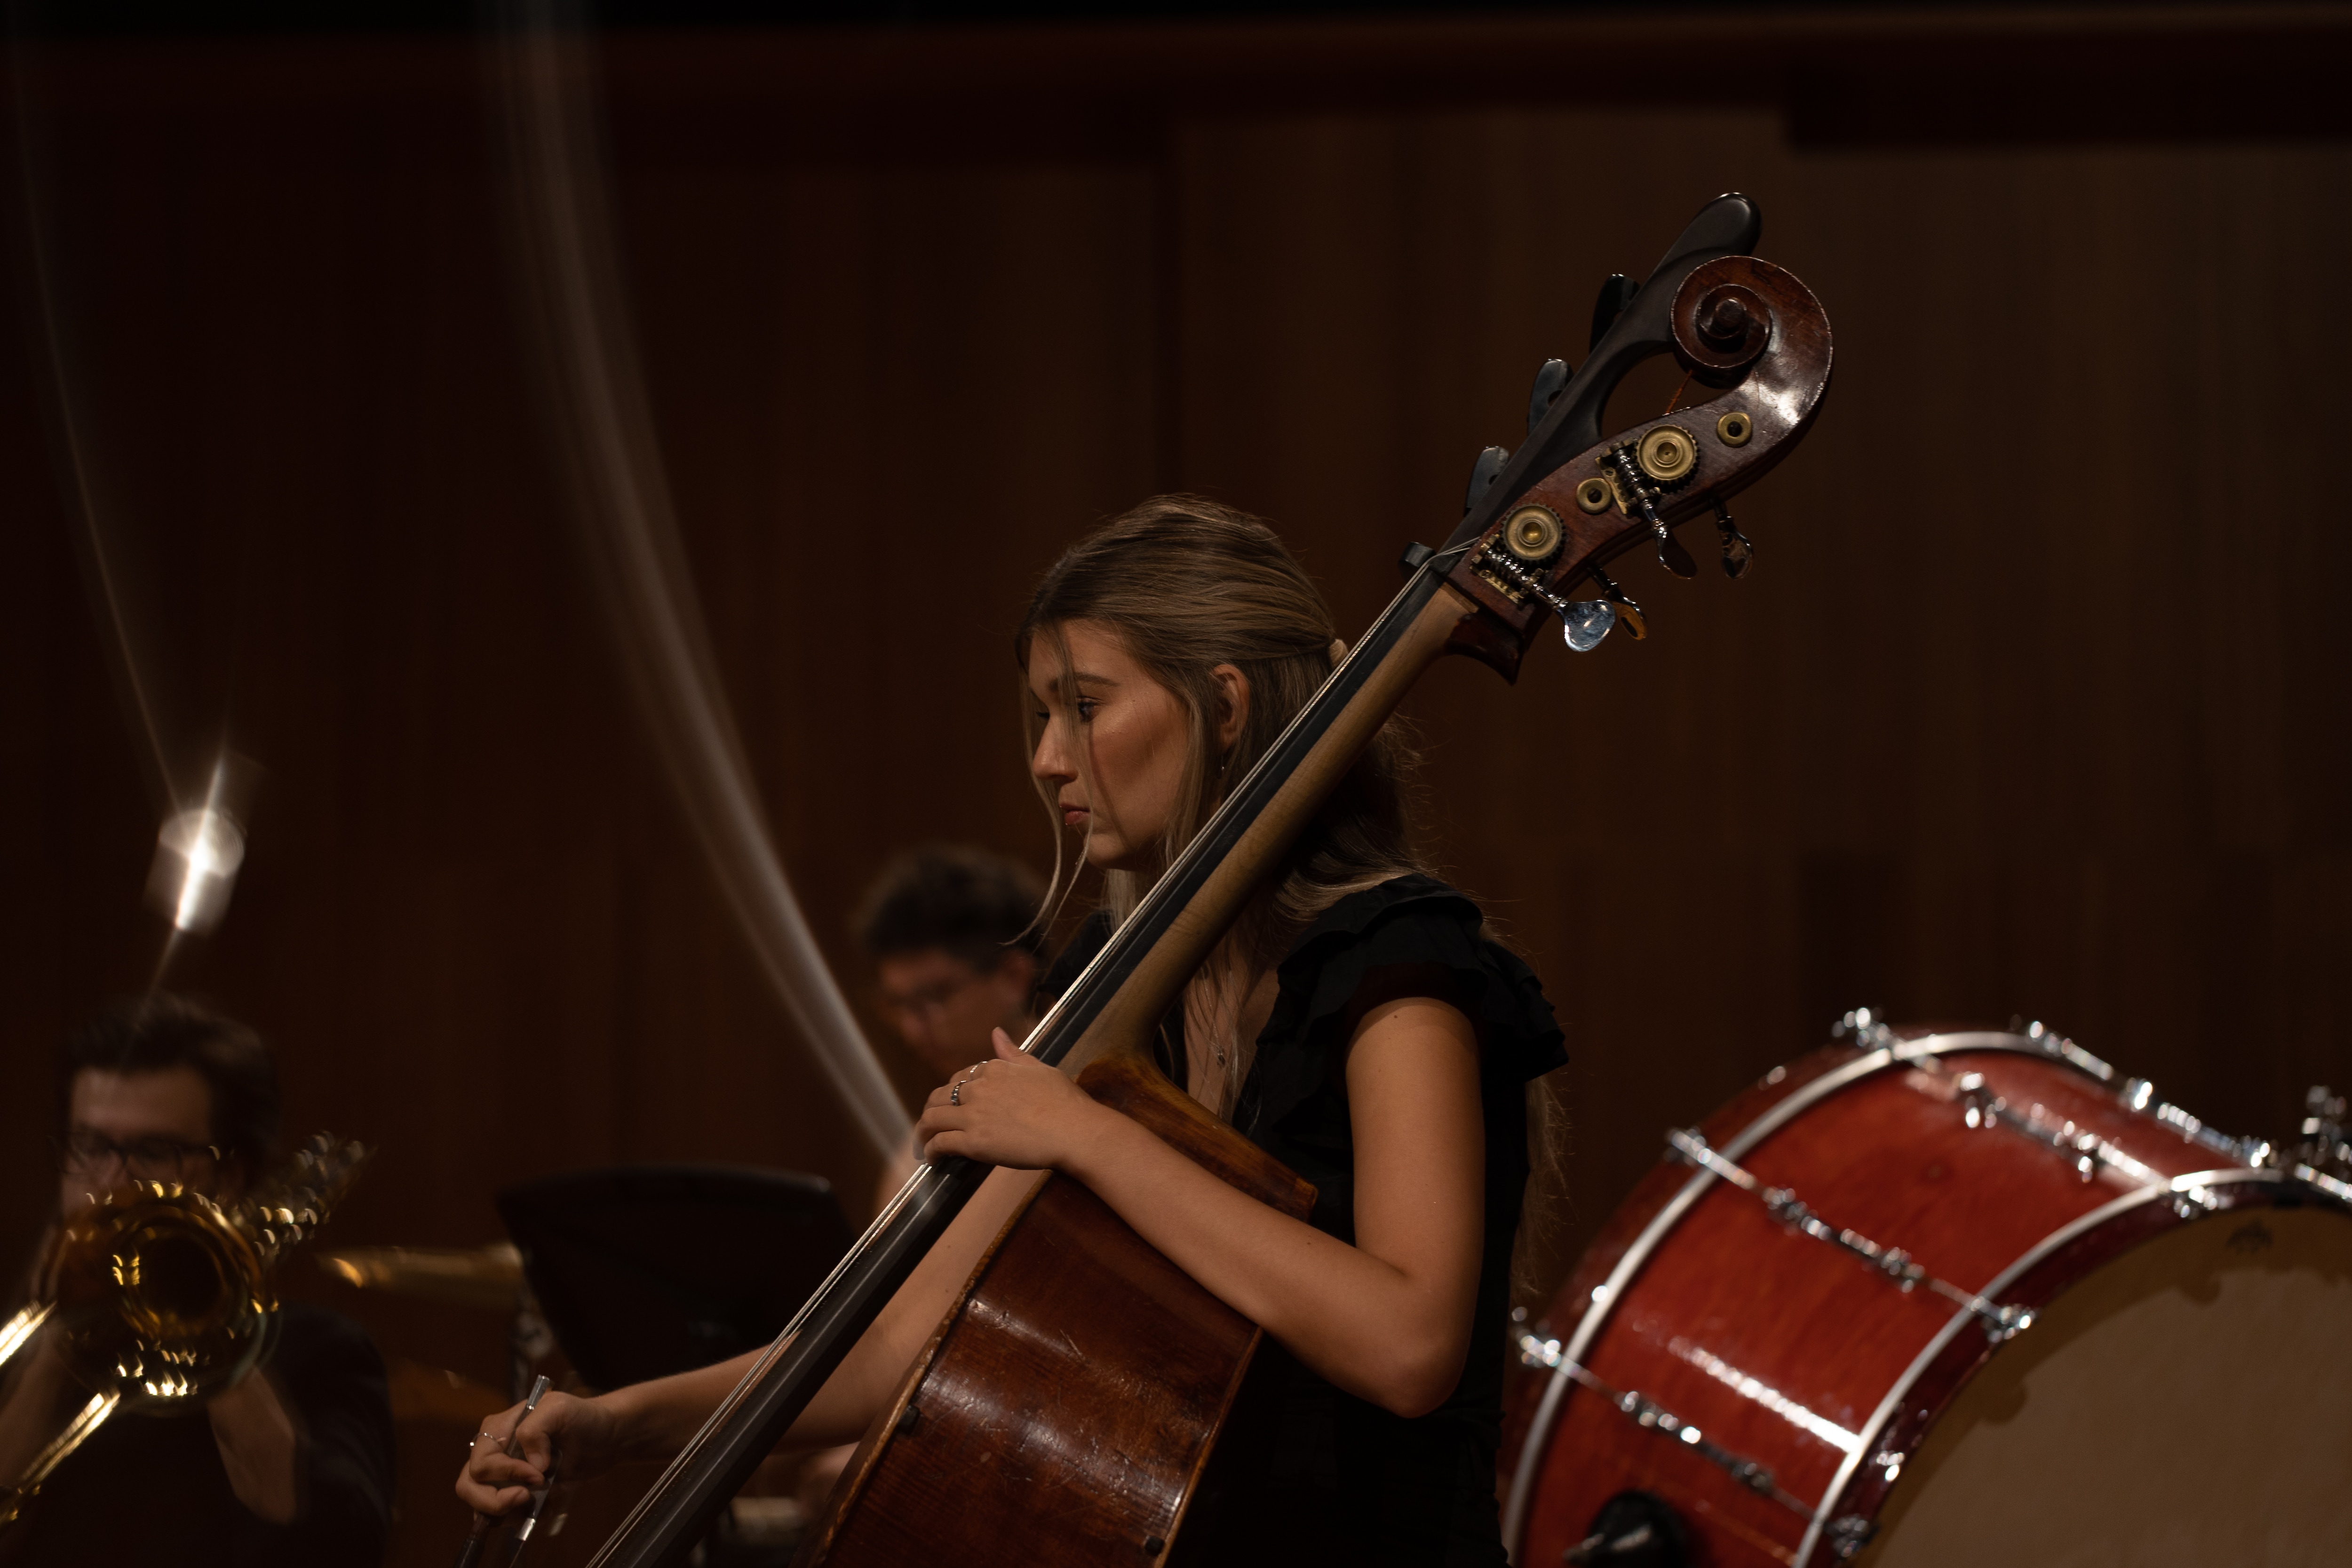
(1980, 736)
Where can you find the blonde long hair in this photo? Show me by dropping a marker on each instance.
(1187, 585)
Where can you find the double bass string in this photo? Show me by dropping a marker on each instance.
(1064, 1023)
(929, 1199)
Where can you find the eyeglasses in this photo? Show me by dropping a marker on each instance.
(929, 998)
(143, 1159)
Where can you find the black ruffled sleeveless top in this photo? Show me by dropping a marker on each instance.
(1348, 1481)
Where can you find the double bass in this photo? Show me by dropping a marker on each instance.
(1085, 1401)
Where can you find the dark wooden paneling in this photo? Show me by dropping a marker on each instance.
(2031, 705)
(1963, 744)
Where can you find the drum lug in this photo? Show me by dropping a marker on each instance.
(2323, 1144)
(1864, 1030)
(1649, 1414)
(1848, 1534)
(2051, 1043)
(2194, 1201)
(2320, 1181)
(2084, 1149)
(2000, 1322)
(1981, 1104)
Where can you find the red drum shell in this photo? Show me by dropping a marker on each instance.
(1790, 1351)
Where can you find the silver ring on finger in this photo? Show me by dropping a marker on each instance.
(955, 1092)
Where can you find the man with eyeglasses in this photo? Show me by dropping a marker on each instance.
(293, 1464)
(954, 934)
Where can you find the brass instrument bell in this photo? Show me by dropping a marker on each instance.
(164, 1297)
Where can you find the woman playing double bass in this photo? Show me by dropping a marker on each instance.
(1355, 1023)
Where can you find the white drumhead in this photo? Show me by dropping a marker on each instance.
(2181, 1407)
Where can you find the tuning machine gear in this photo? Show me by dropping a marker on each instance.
(1583, 622)
(1668, 454)
(1644, 500)
(1534, 534)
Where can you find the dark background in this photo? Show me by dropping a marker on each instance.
(2031, 706)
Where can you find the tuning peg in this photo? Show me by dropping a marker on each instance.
(1549, 381)
(1615, 295)
(1674, 557)
(1483, 474)
(1623, 603)
(1736, 550)
(1671, 554)
(1585, 622)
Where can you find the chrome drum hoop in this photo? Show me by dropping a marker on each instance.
(1897, 1053)
(1842, 1497)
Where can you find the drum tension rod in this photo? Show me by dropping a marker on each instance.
(1648, 1413)
(2000, 1322)
(2089, 1152)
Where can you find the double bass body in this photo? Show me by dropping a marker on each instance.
(1069, 1408)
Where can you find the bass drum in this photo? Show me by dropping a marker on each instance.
(1939, 1299)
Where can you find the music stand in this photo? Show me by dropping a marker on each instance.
(645, 1270)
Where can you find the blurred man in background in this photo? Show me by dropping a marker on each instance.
(954, 932)
(293, 1464)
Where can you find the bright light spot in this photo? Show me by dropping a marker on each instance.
(196, 858)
